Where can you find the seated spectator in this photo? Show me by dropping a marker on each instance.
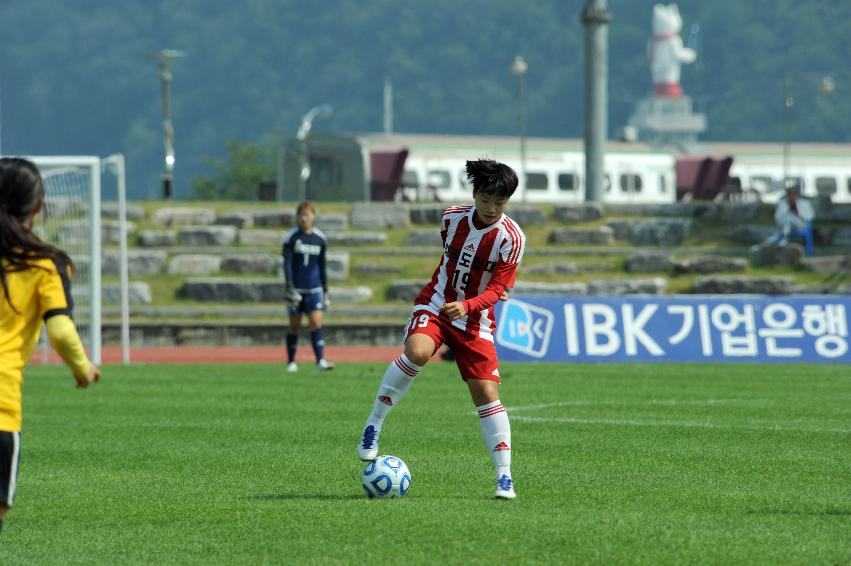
(793, 216)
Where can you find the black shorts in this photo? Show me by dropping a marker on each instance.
(10, 455)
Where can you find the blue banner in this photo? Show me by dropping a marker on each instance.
(674, 329)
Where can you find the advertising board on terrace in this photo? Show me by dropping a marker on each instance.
(675, 329)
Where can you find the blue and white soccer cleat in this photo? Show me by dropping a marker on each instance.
(368, 445)
(505, 488)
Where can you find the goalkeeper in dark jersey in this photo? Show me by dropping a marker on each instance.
(306, 283)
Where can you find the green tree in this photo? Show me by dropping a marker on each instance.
(238, 176)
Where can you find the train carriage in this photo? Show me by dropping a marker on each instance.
(420, 167)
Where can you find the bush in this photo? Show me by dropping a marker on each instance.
(238, 176)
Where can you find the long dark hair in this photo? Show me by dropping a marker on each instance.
(21, 193)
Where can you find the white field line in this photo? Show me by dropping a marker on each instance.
(576, 403)
(681, 424)
(512, 411)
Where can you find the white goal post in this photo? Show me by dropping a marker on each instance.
(115, 165)
(71, 220)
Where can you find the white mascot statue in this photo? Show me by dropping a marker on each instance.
(666, 51)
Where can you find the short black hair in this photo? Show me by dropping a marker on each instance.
(491, 177)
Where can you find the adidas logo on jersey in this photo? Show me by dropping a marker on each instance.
(386, 399)
(501, 446)
(469, 247)
(495, 372)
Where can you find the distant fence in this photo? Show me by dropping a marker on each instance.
(675, 329)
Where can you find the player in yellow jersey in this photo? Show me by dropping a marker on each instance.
(36, 288)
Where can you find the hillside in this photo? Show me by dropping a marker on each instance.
(76, 78)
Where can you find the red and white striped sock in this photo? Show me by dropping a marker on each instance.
(397, 380)
(496, 432)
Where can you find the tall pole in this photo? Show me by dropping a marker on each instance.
(518, 69)
(164, 58)
(388, 106)
(595, 18)
(304, 170)
(788, 102)
(168, 128)
(321, 111)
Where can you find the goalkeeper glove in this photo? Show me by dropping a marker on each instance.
(291, 295)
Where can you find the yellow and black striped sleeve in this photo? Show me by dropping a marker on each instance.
(56, 309)
(54, 291)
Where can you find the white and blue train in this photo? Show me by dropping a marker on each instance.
(416, 167)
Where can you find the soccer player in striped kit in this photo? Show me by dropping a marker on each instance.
(481, 250)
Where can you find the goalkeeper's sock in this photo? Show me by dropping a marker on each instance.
(318, 344)
(496, 432)
(292, 343)
(397, 380)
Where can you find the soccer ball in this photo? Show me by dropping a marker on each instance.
(386, 476)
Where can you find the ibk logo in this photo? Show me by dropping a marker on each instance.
(525, 328)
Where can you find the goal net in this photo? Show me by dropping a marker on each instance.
(70, 220)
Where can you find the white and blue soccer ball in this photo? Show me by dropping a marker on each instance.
(386, 476)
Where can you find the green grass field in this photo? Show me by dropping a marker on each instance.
(614, 464)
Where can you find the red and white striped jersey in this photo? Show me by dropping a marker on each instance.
(476, 267)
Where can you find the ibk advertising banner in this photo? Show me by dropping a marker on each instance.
(674, 329)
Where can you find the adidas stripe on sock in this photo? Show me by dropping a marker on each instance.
(496, 432)
(397, 380)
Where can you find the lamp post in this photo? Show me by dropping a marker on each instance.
(595, 17)
(788, 103)
(321, 111)
(518, 69)
(388, 106)
(826, 86)
(164, 58)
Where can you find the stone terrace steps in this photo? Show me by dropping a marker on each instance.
(239, 311)
(553, 250)
(360, 312)
(589, 250)
(629, 240)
